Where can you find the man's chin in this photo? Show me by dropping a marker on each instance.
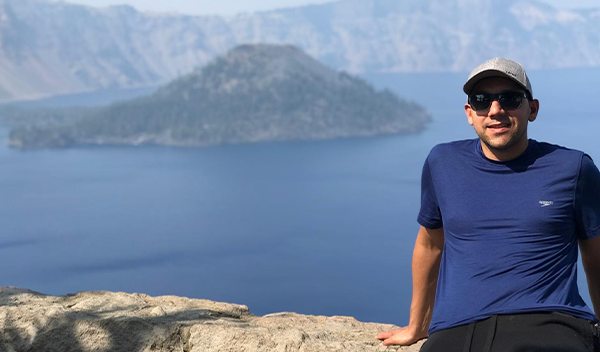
(498, 144)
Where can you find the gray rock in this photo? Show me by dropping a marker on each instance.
(115, 321)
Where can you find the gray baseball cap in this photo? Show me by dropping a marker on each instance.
(499, 67)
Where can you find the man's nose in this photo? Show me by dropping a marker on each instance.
(495, 107)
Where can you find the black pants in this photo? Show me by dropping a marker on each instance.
(549, 332)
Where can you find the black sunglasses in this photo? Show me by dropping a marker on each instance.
(507, 100)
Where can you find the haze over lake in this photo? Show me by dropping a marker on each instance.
(314, 227)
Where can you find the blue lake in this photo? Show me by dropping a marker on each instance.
(321, 227)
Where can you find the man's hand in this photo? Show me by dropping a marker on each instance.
(402, 336)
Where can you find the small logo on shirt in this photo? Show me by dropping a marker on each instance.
(546, 203)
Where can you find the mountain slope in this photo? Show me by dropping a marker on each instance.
(58, 48)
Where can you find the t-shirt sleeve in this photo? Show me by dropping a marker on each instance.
(429, 215)
(587, 200)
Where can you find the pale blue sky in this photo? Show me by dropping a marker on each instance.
(231, 7)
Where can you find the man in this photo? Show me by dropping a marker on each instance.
(502, 217)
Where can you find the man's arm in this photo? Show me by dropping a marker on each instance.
(425, 270)
(590, 257)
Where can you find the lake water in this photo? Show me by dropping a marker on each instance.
(314, 227)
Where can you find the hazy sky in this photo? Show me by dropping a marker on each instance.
(230, 7)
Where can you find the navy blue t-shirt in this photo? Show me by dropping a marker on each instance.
(510, 229)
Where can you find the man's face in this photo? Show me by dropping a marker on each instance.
(503, 132)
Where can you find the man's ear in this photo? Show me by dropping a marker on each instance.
(468, 112)
(534, 108)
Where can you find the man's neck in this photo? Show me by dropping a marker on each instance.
(505, 154)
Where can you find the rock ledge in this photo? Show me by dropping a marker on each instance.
(103, 321)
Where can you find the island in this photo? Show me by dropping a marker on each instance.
(253, 93)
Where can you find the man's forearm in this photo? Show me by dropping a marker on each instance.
(590, 257)
(425, 270)
(594, 287)
(593, 281)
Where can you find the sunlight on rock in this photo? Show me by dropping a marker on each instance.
(91, 336)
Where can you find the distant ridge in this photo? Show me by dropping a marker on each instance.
(54, 48)
(254, 93)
